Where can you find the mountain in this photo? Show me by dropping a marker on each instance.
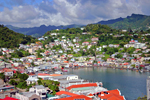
(112, 21)
(11, 39)
(135, 22)
(40, 31)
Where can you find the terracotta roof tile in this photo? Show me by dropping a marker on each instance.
(43, 74)
(81, 85)
(111, 95)
(65, 92)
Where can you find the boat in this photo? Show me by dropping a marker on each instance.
(140, 71)
(65, 70)
(58, 72)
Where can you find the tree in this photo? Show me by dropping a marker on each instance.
(2, 76)
(22, 85)
(119, 55)
(1, 53)
(39, 82)
(23, 76)
(13, 82)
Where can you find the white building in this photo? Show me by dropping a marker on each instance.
(139, 45)
(40, 90)
(32, 79)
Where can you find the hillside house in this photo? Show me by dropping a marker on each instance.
(85, 43)
(95, 39)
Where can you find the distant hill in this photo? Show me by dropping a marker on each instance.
(135, 22)
(112, 21)
(11, 39)
(40, 31)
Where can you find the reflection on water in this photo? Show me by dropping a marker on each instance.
(132, 84)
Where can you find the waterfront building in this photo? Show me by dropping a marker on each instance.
(27, 96)
(64, 95)
(111, 95)
(86, 88)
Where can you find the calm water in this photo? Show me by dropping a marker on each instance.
(131, 84)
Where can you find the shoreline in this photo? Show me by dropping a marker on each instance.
(137, 70)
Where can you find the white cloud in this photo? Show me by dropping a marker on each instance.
(64, 12)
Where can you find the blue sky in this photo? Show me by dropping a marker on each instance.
(31, 13)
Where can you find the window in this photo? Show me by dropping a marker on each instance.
(43, 93)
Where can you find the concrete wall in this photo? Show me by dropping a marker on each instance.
(3, 95)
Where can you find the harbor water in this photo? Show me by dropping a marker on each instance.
(132, 84)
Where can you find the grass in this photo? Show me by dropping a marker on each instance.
(142, 98)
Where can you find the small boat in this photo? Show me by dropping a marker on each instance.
(65, 70)
(58, 72)
(140, 71)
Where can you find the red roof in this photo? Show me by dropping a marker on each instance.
(126, 64)
(43, 74)
(65, 92)
(82, 85)
(142, 66)
(111, 95)
(90, 94)
(9, 98)
(38, 58)
(76, 97)
(7, 70)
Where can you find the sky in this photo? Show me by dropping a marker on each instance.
(31, 13)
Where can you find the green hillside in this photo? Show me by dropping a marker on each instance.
(39, 31)
(135, 22)
(11, 39)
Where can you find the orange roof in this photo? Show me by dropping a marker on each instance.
(126, 63)
(90, 94)
(7, 70)
(43, 74)
(98, 62)
(116, 91)
(66, 61)
(9, 98)
(28, 63)
(76, 97)
(38, 58)
(111, 95)
(65, 92)
(81, 85)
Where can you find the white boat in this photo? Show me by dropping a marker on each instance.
(58, 72)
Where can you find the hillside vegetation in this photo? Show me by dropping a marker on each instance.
(39, 31)
(11, 39)
(135, 22)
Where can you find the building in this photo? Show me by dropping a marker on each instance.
(7, 91)
(64, 95)
(139, 45)
(27, 96)
(110, 95)
(95, 39)
(86, 88)
(32, 79)
(7, 72)
(40, 90)
(9, 98)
